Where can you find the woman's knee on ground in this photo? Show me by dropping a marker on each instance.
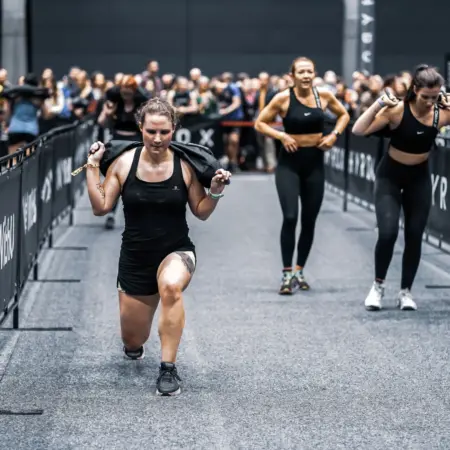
(135, 331)
(136, 315)
(134, 339)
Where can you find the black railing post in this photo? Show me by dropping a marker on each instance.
(346, 160)
(16, 312)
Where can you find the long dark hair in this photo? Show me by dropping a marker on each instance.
(424, 77)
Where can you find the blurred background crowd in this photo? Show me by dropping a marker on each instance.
(231, 96)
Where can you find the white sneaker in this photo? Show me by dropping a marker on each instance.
(405, 301)
(373, 300)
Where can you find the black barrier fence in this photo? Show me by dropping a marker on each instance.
(37, 193)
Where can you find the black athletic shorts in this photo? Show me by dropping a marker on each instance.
(138, 270)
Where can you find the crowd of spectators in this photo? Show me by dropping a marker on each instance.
(233, 97)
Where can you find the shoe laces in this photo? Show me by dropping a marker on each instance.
(379, 288)
(405, 294)
(299, 275)
(168, 374)
(286, 277)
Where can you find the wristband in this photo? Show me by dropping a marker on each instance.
(214, 196)
(88, 164)
(381, 103)
(336, 132)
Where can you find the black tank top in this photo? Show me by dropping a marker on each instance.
(301, 119)
(411, 136)
(225, 98)
(181, 99)
(155, 213)
(126, 121)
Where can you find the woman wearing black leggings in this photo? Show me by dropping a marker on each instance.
(403, 177)
(300, 170)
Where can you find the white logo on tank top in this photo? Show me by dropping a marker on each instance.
(307, 114)
(420, 132)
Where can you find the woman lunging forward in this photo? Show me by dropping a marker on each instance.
(157, 258)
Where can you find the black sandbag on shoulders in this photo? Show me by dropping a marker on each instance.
(200, 158)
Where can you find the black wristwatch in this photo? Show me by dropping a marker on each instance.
(336, 132)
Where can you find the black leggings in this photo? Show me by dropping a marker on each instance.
(398, 186)
(299, 174)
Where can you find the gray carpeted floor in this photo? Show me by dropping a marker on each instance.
(260, 371)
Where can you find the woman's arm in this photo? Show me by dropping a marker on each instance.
(102, 196)
(444, 103)
(268, 115)
(201, 204)
(193, 105)
(342, 120)
(338, 109)
(376, 117)
(108, 110)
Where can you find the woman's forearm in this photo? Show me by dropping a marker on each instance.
(103, 119)
(95, 191)
(267, 130)
(206, 207)
(367, 117)
(342, 122)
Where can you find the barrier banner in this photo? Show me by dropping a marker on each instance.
(439, 218)
(201, 130)
(45, 216)
(82, 139)
(335, 164)
(363, 157)
(29, 241)
(9, 233)
(62, 168)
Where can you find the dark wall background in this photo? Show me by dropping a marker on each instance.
(236, 35)
(409, 32)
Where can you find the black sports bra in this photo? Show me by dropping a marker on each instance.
(302, 119)
(412, 136)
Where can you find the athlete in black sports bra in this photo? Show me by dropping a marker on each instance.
(157, 257)
(300, 170)
(403, 177)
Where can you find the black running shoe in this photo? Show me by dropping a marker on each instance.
(299, 282)
(168, 382)
(134, 354)
(286, 284)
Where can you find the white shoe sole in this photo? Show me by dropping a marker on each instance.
(407, 308)
(171, 394)
(373, 307)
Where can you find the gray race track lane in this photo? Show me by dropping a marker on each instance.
(312, 371)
